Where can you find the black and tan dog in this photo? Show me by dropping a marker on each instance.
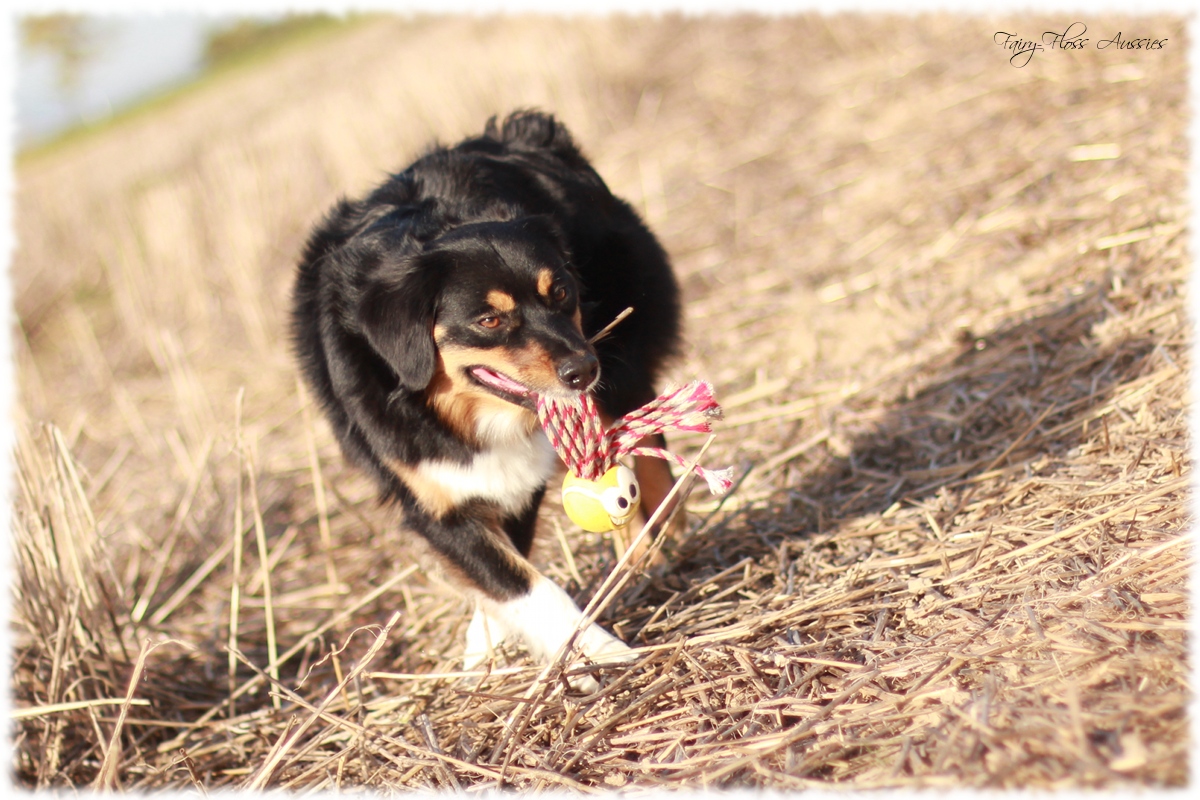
(430, 315)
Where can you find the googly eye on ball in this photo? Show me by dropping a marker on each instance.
(601, 505)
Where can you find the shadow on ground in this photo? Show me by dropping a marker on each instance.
(1000, 405)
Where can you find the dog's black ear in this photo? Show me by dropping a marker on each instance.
(396, 313)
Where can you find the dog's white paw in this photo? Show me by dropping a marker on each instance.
(599, 646)
(545, 619)
(483, 636)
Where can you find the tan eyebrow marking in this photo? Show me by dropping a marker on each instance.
(501, 301)
(545, 280)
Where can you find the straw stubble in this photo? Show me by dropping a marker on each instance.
(944, 300)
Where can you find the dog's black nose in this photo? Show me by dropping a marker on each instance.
(578, 372)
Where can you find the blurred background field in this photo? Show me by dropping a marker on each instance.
(942, 299)
(76, 73)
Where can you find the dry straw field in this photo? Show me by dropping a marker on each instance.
(941, 297)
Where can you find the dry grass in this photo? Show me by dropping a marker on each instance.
(952, 347)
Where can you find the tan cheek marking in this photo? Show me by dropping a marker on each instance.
(578, 320)
(456, 359)
(545, 280)
(501, 301)
(430, 495)
(452, 397)
(460, 403)
(531, 365)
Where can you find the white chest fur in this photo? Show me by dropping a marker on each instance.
(506, 473)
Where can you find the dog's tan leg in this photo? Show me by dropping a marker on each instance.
(654, 478)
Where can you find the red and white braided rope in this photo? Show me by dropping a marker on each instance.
(578, 436)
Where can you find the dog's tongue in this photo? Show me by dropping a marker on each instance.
(501, 382)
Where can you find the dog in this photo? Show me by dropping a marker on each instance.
(429, 316)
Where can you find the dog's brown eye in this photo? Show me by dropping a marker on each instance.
(560, 294)
(489, 322)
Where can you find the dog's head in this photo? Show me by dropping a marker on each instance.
(483, 320)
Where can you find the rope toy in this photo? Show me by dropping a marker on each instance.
(598, 493)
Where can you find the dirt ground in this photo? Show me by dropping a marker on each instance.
(941, 297)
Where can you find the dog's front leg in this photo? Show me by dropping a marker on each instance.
(513, 598)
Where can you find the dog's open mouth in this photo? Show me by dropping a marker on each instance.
(504, 387)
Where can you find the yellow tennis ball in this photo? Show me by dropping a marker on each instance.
(603, 504)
